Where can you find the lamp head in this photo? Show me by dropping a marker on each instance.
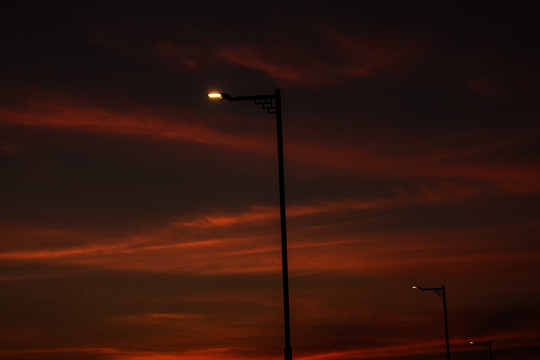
(214, 95)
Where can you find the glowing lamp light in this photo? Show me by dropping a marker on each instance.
(215, 95)
(415, 287)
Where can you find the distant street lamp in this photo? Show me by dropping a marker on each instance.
(272, 105)
(441, 292)
(486, 344)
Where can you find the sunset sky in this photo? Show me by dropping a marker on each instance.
(140, 220)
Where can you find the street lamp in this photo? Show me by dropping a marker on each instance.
(486, 344)
(441, 292)
(272, 105)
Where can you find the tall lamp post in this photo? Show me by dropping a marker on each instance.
(486, 344)
(441, 291)
(272, 105)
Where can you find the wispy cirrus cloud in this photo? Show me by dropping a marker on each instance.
(411, 349)
(157, 318)
(478, 158)
(251, 245)
(226, 353)
(121, 354)
(146, 123)
(353, 55)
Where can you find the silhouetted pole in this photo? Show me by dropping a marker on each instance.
(272, 104)
(446, 323)
(486, 344)
(283, 217)
(441, 292)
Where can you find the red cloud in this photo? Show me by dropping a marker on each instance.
(230, 353)
(485, 86)
(424, 159)
(476, 160)
(142, 123)
(156, 318)
(352, 55)
(184, 57)
(423, 348)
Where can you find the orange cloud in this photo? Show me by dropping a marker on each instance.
(157, 318)
(390, 351)
(248, 249)
(435, 192)
(379, 352)
(48, 351)
(144, 123)
(118, 354)
(207, 354)
(226, 353)
(254, 214)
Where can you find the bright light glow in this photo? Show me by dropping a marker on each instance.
(415, 287)
(215, 95)
(472, 342)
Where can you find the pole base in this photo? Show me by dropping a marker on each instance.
(288, 353)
